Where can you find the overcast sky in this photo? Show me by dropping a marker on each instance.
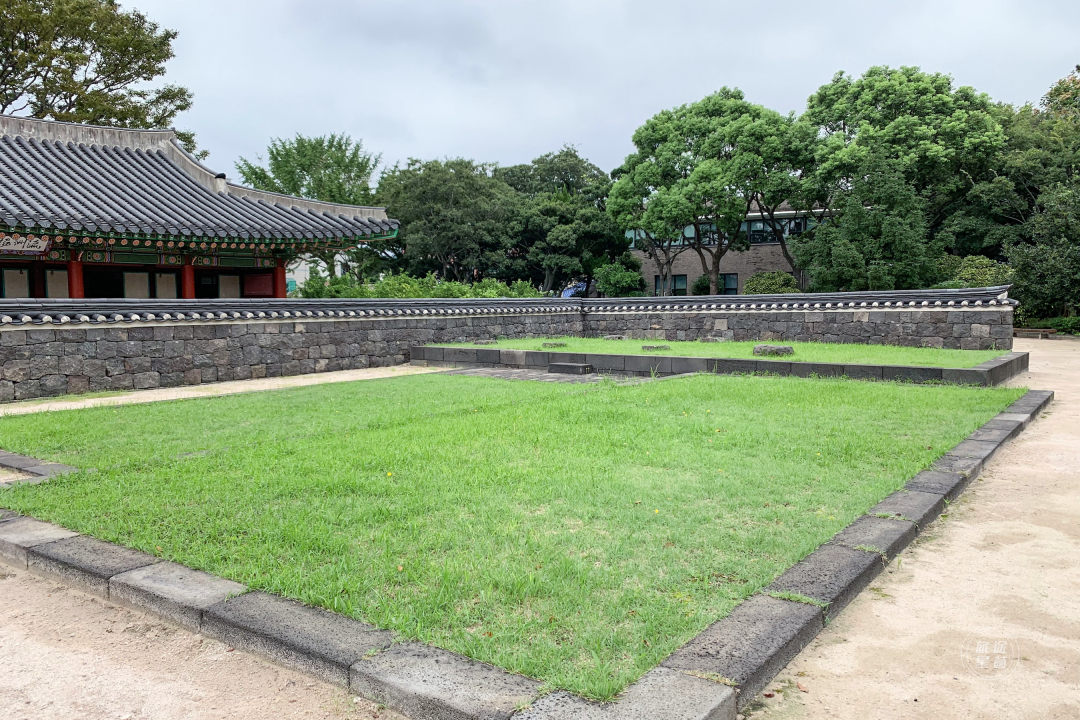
(505, 81)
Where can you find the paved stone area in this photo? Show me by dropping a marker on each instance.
(231, 387)
(1002, 561)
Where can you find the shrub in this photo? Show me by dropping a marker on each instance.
(700, 286)
(620, 278)
(405, 286)
(770, 283)
(981, 271)
(1064, 325)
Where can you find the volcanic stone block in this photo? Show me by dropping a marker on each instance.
(458, 354)
(48, 470)
(536, 359)
(832, 574)
(727, 366)
(18, 535)
(427, 683)
(753, 643)
(921, 508)
(997, 431)
(774, 350)
(489, 356)
(774, 367)
(315, 641)
(512, 357)
(660, 693)
(648, 348)
(553, 344)
(1033, 402)
(17, 462)
(570, 368)
(863, 372)
(968, 466)
(606, 362)
(948, 484)
(647, 364)
(86, 561)
(172, 591)
(975, 449)
(885, 535)
(906, 373)
(681, 365)
(964, 376)
(6, 515)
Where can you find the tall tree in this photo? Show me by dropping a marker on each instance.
(332, 168)
(685, 187)
(565, 232)
(85, 61)
(457, 219)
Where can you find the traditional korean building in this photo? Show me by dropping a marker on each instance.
(102, 212)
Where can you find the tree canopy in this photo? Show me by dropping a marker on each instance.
(86, 61)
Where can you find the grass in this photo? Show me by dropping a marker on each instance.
(576, 534)
(848, 353)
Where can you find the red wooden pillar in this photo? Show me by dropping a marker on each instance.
(75, 279)
(187, 281)
(280, 286)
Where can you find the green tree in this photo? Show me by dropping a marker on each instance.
(1047, 266)
(934, 143)
(686, 185)
(565, 232)
(332, 168)
(457, 219)
(877, 240)
(86, 61)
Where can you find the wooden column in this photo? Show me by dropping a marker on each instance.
(75, 279)
(280, 286)
(187, 281)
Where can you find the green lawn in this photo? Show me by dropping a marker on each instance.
(848, 353)
(576, 534)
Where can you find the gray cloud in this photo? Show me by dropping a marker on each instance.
(507, 81)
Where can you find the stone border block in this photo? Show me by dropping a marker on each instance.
(751, 644)
(647, 364)
(312, 640)
(86, 561)
(172, 591)
(570, 368)
(908, 373)
(606, 362)
(18, 535)
(864, 372)
(832, 574)
(660, 694)
(683, 365)
(427, 683)
(920, 508)
(947, 484)
(887, 535)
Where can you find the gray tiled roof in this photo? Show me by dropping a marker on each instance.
(79, 178)
(112, 311)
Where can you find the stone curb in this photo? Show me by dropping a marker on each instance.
(40, 471)
(987, 374)
(709, 678)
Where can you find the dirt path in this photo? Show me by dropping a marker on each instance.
(66, 655)
(232, 387)
(1004, 563)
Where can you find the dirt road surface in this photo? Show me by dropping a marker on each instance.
(1003, 565)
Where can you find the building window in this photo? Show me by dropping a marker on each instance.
(727, 284)
(678, 285)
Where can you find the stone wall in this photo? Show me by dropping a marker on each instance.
(43, 362)
(74, 346)
(966, 329)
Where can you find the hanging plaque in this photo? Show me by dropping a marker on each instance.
(17, 244)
